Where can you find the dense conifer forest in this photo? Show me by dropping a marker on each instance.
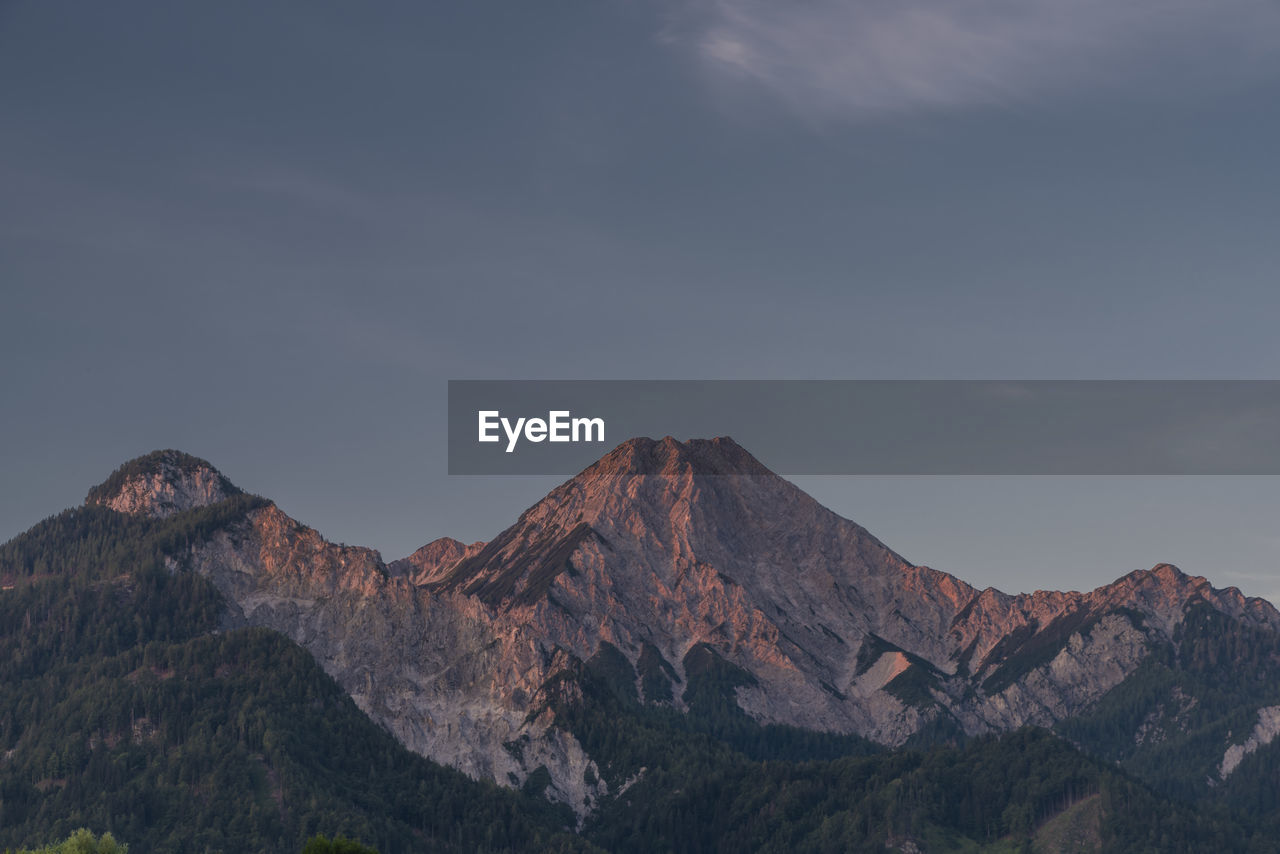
(124, 709)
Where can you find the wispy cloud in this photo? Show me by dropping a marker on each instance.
(870, 57)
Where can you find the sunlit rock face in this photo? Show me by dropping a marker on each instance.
(429, 563)
(658, 548)
(161, 484)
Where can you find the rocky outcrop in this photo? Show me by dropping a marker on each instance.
(434, 670)
(1264, 732)
(661, 548)
(161, 484)
(433, 561)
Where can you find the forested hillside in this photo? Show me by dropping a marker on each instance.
(122, 708)
(713, 781)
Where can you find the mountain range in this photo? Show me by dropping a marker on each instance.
(680, 593)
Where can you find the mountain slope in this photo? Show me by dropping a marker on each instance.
(124, 708)
(665, 548)
(672, 624)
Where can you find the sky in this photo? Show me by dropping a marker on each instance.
(268, 234)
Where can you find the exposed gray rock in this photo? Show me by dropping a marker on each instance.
(655, 547)
(1264, 732)
(161, 484)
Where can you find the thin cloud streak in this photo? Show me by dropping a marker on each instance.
(862, 58)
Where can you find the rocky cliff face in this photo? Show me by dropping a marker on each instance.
(161, 484)
(660, 548)
(1264, 732)
(434, 669)
(430, 563)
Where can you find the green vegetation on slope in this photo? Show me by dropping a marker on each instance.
(122, 708)
(80, 842)
(92, 542)
(715, 781)
(84, 842)
(321, 844)
(1170, 722)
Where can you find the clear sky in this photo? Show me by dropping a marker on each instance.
(267, 234)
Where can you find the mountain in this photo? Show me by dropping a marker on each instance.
(660, 551)
(127, 703)
(161, 484)
(677, 617)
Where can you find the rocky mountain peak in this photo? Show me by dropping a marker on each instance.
(666, 506)
(671, 457)
(1164, 581)
(162, 483)
(431, 562)
(711, 489)
(1164, 592)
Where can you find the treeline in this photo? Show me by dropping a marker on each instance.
(992, 792)
(85, 842)
(80, 842)
(712, 780)
(91, 542)
(235, 742)
(1170, 722)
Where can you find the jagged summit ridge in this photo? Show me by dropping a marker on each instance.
(697, 505)
(671, 457)
(807, 601)
(430, 563)
(162, 483)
